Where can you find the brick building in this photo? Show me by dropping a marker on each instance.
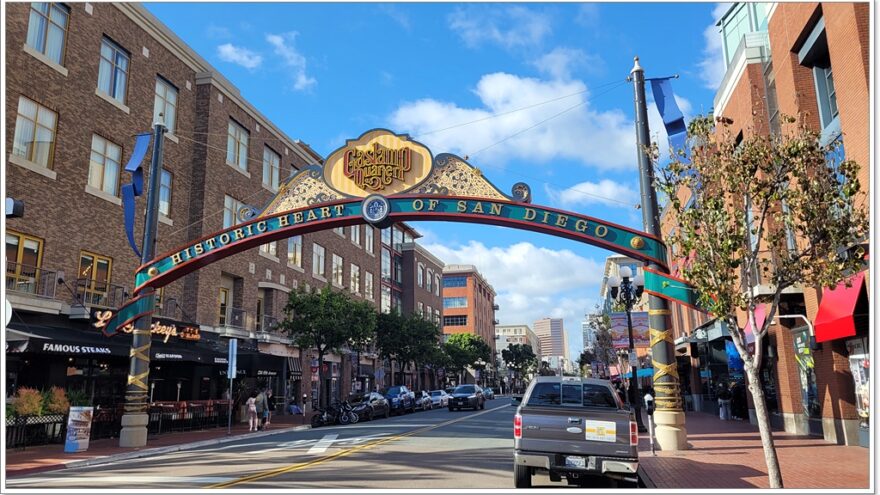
(808, 60)
(469, 305)
(82, 80)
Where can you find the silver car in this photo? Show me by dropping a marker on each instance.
(439, 398)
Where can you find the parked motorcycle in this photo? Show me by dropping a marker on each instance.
(346, 414)
(323, 417)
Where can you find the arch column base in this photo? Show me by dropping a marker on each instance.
(670, 431)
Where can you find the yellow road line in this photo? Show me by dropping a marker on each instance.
(302, 465)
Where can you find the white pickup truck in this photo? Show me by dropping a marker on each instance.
(574, 427)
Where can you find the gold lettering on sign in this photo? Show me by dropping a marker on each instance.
(546, 217)
(199, 249)
(530, 214)
(601, 231)
(561, 220)
(462, 206)
(298, 217)
(176, 259)
(432, 203)
(325, 212)
(340, 209)
(581, 225)
(261, 226)
(224, 238)
(376, 168)
(478, 208)
(496, 209)
(238, 234)
(283, 221)
(418, 204)
(311, 216)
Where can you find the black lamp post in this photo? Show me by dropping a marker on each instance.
(628, 291)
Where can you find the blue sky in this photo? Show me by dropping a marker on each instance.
(324, 72)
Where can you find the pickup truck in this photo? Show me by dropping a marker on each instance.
(575, 428)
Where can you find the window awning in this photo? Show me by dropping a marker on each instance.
(835, 318)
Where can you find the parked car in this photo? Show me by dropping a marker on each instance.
(467, 396)
(449, 390)
(423, 401)
(400, 399)
(372, 405)
(439, 398)
(574, 428)
(489, 393)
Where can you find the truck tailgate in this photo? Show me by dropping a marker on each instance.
(576, 430)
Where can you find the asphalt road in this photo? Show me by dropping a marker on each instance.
(429, 449)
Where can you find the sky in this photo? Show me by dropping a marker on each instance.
(530, 92)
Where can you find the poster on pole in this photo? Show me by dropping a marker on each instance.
(620, 331)
(233, 354)
(79, 429)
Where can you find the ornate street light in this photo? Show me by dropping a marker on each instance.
(628, 291)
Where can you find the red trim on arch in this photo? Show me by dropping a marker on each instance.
(835, 317)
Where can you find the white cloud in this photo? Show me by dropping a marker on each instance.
(712, 65)
(284, 48)
(603, 139)
(588, 15)
(519, 273)
(397, 15)
(510, 27)
(216, 32)
(560, 62)
(239, 56)
(605, 192)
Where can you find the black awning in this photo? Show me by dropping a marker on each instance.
(294, 366)
(62, 341)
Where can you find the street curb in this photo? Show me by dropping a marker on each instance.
(148, 452)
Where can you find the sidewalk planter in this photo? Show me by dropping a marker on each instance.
(24, 431)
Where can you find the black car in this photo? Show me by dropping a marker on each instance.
(371, 406)
(400, 399)
(467, 396)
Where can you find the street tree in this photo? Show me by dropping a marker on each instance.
(519, 358)
(585, 361)
(604, 348)
(775, 211)
(391, 339)
(423, 336)
(464, 349)
(325, 320)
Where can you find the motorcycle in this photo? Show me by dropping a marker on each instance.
(346, 414)
(323, 417)
(363, 411)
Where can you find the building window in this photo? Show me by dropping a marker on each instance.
(356, 234)
(368, 238)
(420, 277)
(395, 302)
(223, 308)
(429, 277)
(455, 282)
(318, 260)
(427, 314)
(421, 308)
(398, 238)
(34, 132)
(165, 193)
(47, 30)
(386, 236)
(455, 321)
(104, 165)
(436, 285)
(337, 270)
(237, 145)
(23, 257)
(368, 285)
(231, 207)
(271, 168)
(386, 264)
(94, 271)
(455, 302)
(294, 251)
(436, 316)
(814, 55)
(340, 231)
(270, 248)
(398, 269)
(385, 303)
(355, 279)
(113, 70)
(165, 104)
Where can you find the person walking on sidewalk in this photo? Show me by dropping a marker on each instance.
(261, 408)
(253, 419)
(723, 402)
(270, 406)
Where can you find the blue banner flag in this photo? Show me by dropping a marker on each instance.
(136, 187)
(233, 354)
(673, 120)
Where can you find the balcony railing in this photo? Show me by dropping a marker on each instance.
(267, 323)
(102, 294)
(31, 280)
(753, 47)
(495, 307)
(234, 318)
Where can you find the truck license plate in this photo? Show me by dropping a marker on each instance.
(575, 462)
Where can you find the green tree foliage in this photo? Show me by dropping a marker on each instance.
(604, 348)
(749, 198)
(465, 349)
(326, 320)
(519, 357)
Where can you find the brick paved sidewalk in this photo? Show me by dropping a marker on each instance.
(728, 454)
(51, 457)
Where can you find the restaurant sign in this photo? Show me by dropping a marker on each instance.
(163, 327)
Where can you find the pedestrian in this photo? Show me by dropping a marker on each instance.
(260, 403)
(252, 412)
(723, 402)
(270, 401)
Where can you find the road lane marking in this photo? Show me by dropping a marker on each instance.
(342, 453)
(101, 478)
(323, 444)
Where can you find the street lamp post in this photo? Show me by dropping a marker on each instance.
(628, 291)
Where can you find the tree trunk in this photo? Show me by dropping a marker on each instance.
(391, 365)
(773, 473)
(321, 400)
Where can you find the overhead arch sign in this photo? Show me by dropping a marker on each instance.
(381, 178)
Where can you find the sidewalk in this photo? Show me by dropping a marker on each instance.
(41, 458)
(728, 454)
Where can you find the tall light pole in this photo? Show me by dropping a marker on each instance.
(668, 415)
(628, 291)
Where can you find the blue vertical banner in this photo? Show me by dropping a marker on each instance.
(673, 119)
(136, 187)
(233, 354)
